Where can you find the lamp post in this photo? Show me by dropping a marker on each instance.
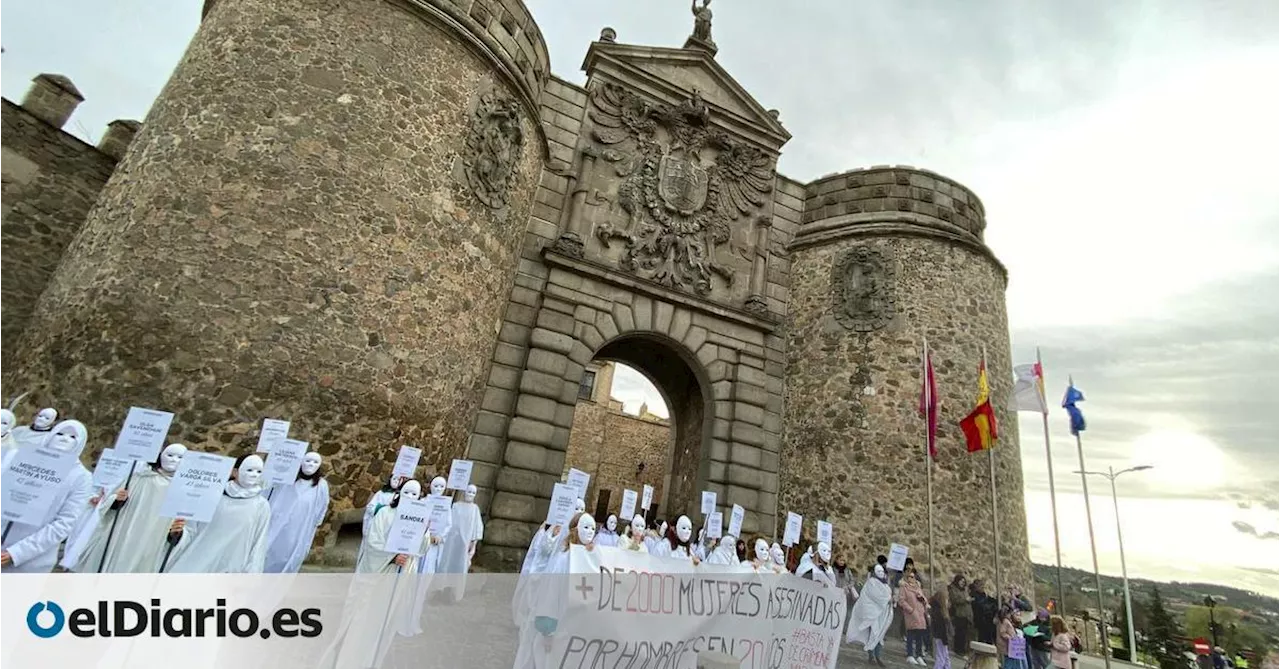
(1111, 475)
(1213, 624)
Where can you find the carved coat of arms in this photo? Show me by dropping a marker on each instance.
(493, 149)
(684, 184)
(862, 286)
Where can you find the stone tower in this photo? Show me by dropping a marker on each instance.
(319, 221)
(884, 258)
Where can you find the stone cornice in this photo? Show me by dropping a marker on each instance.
(611, 276)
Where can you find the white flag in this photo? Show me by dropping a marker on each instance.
(1028, 389)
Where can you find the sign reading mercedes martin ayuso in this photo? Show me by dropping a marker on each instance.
(622, 608)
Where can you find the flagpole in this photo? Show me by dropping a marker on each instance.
(928, 454)
(1053, 497)
(995, 518)
(1104, 640)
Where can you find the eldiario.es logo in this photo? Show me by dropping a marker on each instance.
(124, 618)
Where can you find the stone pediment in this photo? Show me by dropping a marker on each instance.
(672, 75)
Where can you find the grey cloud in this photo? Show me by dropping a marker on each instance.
(1246, 528)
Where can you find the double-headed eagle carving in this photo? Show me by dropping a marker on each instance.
(684, 184)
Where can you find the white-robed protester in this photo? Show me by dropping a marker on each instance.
(725, 553)
(608, 535)
(678, 544)
(633, 540)
(428, 564)
(297, 510)
(546, 541)
(779, 558)
(377, 500)
(656, 539)
(138, 541)
(377, 605)
(7, 442)
(235, 540)
(465, 532)
(549, 602)
(872, 614)
(760, 560)
(39, 429)
(818, 568)
(33, 549)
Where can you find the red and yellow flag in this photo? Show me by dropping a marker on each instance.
(980, 425)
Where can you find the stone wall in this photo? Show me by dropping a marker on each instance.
(855, 443)
(305, 229)
(50, 181)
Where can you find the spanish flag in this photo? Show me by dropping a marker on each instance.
(980, 425)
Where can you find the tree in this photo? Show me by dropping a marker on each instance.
(1235, 632)
(1162, 631)
(1140, 621)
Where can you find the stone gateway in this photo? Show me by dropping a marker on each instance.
(389, 223)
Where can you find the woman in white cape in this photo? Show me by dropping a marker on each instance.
(138, 542)
(872, 614)
(465, 532)
(296, 511)
(725, 553)
(634, 539)
(33, 549)
(38, 431)
(376, 501)
(608, 535)
(761, 562)
(235, 540)
(428, 564)
(7, 422)
(819, 570)
(380, 600)
(544, 544)
(550, 601)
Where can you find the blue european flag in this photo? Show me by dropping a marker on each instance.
(1069, 403)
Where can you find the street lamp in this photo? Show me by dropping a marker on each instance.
(1213, 624)
(1111, 475)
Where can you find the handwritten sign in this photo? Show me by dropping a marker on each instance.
(284, 461)
(646, 499)
(409, 527)
(715, 525)
(407, 462)
(579, 481)
(764, 625)
(824, 532)
(438, 520)
(563, 502)
(460, 474)
(272, 431)
(111, 470)
(1018, 648)
(31, 482)
(736, 516)
(897, 557)
(197, 486)
(791, 534)
(143, 434)
(708, 502)
(628, 504)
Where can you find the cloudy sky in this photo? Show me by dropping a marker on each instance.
(1126, 151)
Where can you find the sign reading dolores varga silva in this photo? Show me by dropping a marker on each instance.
(625, 608)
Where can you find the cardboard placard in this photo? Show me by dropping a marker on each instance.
(143, 434)
(407, 462)
(284, 461)
(272, 431)
(791, 535)
(460, 474)
(628, 505)
(708, 502)
(735, 520)
(197, 487)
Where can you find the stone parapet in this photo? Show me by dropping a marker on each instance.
(924, 196)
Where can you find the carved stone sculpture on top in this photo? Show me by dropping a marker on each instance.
(701, 36)
(862, 289)
(493, 149)
(684, 184)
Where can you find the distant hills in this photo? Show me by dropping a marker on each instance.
(1176, 595)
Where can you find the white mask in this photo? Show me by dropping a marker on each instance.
(586, 528)
(684, 528)
(411, 490)
(637, 526)
(612, 523)
(779, 557)
(879, 572)
(824, 552)
(44, 420)
(249, 473)
(579, 506)
(311, 463)
(762, 550)
(470, 494)
(7, 420)
(67, 436)
(438, 485)
(662, 529)
(171, 457)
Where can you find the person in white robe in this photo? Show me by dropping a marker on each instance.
(296, 511)
(550, 601)
(779, 558)
(7, 442)
(725, 553)
(39, 429)
(428, 564)
(634, 539)
(33, 549)
(656, 538)
(376, 501)
(760, 560)
(608, 535)
(699, 547)
(380, 598)
(544, 544)
(138, 541)
(872, 615)
(679, 542)
(817, 567)
(465, 533)
(235, 540)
